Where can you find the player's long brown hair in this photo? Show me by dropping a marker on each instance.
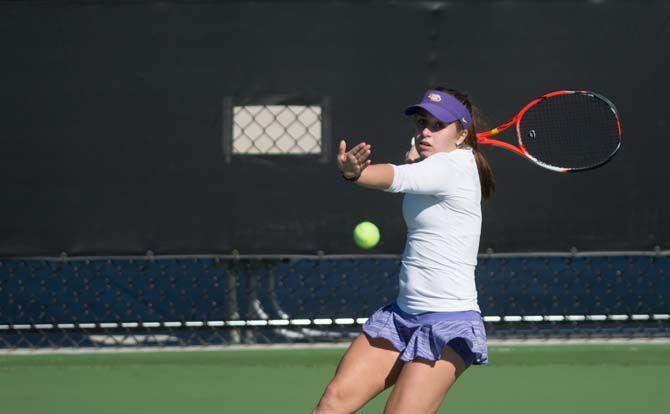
(486, 179)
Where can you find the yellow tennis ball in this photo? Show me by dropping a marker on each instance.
(366, 235)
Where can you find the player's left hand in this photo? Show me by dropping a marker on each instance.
(352, 163)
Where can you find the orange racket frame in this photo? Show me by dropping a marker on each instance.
(485, 137)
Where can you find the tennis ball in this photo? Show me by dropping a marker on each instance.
(366, 235)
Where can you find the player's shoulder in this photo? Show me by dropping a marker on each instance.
(457, 156)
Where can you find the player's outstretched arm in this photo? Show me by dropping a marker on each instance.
(377, 176)
(355, 165)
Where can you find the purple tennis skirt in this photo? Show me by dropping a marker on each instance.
(425, 335)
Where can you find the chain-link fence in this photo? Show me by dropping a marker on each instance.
(276, 127)
(71, 302)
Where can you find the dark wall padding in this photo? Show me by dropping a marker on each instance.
(111, 132)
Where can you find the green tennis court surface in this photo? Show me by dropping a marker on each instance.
(520, 379)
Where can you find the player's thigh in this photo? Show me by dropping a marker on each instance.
(369, 366)
(422, 385)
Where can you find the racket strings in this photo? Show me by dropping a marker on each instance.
(574, 131)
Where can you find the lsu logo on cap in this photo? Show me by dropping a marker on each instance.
(434, 97)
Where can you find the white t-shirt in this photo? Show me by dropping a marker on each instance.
(442, 212)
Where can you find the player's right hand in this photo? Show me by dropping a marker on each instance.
(412, 155)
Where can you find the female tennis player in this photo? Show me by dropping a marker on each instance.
(433, 332)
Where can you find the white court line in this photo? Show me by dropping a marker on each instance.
(216, 257)
(324, 321)
(325, 345)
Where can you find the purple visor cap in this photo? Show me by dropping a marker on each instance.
(444, 107)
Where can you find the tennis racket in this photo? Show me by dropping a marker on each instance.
(564, 131)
